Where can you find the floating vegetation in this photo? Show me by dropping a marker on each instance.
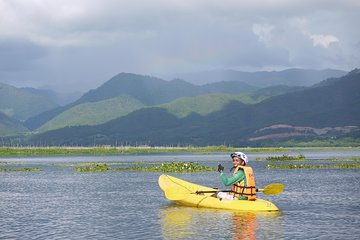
(345, 165)
(308, 166)
(259, 150)
(285, 157)
(82, 164)
(95, 167)
(178, 167)
(336, 159)
(20, 169)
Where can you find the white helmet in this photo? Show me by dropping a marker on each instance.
(240, 155)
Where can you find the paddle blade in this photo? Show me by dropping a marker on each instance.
(175, 194)
(272, 189)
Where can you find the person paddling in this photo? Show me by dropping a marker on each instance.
(242, 181)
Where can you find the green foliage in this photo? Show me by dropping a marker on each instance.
(305, 166)
(285, 157)
(177, 167)
(346, 165)
(20, 169)
(96, 167)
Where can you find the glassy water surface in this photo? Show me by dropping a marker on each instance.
(59, 203)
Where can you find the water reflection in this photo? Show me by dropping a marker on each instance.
(179, 222)
(244, 226)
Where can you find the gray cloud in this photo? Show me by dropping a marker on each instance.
(19, 54)
(82, 43)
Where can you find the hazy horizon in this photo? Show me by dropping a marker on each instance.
(166, 77)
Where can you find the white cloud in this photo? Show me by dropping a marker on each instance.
(323, 40)
(263, 31)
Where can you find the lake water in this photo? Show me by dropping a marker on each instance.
(59, 203)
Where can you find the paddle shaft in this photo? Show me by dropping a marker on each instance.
(175, 193)
(215, 191)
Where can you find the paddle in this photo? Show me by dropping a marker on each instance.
(174, 194)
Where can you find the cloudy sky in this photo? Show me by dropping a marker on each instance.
(80, 44)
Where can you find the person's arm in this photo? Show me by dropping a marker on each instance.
(239, 176)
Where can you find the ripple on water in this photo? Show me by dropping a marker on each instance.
(64, 204)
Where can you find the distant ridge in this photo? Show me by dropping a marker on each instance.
(289, 77)
(151, 90)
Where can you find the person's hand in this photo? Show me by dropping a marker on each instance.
(220, 168)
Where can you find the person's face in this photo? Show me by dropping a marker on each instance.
(237, 162)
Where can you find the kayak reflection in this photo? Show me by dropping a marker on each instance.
(178, 222)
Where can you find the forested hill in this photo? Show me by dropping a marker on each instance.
(152, 91)
(330, 106)
(22, 103)
(148, 90)
(10, 126)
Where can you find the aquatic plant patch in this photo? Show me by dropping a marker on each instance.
(285, 157)
(177, 167)
(307, 166)
(20, 169)
(97, 167)
(83, 164)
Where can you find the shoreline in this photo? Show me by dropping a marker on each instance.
(108, 150)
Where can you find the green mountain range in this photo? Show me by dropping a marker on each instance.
(149, 91)
(9, 126)
(324, 109)
(94, 113)
(153, 91)
(37, 106)
(22, 103)
(175, 96)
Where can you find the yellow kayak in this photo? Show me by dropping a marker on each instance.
(184, 193)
